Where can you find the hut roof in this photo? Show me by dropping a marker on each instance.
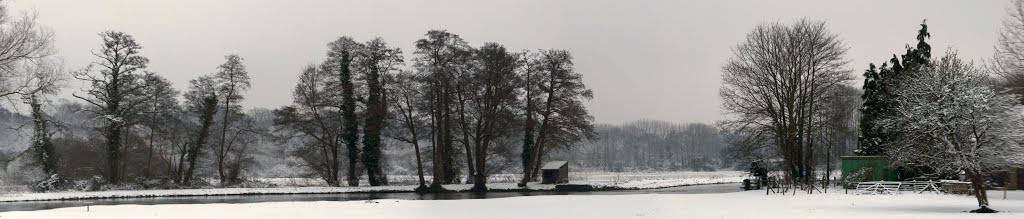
(554, 165)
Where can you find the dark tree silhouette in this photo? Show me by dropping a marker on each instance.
(879, 89)
(112, 90)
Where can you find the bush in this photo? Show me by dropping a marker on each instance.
(53, 183)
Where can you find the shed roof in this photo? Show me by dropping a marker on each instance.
(554, 165)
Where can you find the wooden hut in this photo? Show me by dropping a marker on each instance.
(555, 172)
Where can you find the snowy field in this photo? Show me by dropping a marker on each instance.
(605, 180)
(752, 204)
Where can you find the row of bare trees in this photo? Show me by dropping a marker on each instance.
(461, 106)
(123, 96)
(455, 104)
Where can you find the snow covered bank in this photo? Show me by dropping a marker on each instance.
(607, 181)
(753, 204)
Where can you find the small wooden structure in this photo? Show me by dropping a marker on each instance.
(957, 187)
(555, 172)
(1013, 180)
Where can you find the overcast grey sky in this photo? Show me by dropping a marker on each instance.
(643, 59)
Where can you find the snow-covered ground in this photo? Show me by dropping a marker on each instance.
(599, 179)
(752, 204)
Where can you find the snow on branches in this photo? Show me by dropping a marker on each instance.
(948, 117)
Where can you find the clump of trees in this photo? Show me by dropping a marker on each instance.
(880, 87)
(948, 117)
(471, 110)
(457, 104)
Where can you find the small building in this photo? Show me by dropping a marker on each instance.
(555, 172)
(1012, 179)
(867, 168)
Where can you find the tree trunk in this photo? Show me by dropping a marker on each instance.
(113, 136)
(209, 109)
(435, 137)
(178, 170)
(419, 161)
(350, 132)
(469, 155)
(149, 154)
(45, 152)
(480, 177)
(221, 153)
(978, 185)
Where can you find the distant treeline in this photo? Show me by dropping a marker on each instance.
(652, 145)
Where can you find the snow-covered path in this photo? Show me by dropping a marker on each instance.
(753, 204)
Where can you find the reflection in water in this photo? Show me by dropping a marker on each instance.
(42, 205)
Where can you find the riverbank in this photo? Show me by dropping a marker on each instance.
(653, 182)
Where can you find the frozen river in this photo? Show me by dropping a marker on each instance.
(42, 205)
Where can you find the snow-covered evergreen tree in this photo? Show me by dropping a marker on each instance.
(949, 119)
(880, 86)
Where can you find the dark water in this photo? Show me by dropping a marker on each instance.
(43, 205)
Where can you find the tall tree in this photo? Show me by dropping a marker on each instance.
(879, 88)
(111, 89)
(563, 120)
(46, 77)
(529, 111)
(314, 114)
(492, 91)
(406, 99)
(441, 55)
(160, 108)
(43, 151)
(775, 82)
(202, 101)
(234, 80)
(377, 62)
(341, 55)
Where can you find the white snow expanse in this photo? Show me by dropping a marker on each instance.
(597, 179)
(752, 204)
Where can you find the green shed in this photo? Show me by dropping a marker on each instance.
(867, 168)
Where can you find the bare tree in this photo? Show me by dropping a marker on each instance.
(1008, 61)
(28, 71)
(160, 108)
(406, 99)
(562, 119)
(314, 115)
(775, 81)
(113, 89)
(441, 56)
(233, 79)
(492, 90)
(201, 100)
(46, 78)
(23, 42)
